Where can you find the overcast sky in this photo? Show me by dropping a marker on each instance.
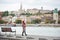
(28, 4)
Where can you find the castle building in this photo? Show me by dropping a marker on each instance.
(32, 11)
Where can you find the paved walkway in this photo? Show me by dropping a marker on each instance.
(29, 37)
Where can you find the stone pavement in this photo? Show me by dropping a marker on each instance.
(29, 37)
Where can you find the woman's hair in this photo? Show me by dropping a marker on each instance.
(23, 22)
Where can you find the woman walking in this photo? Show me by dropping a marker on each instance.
(24, 28)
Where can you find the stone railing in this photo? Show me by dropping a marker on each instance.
(32, 25)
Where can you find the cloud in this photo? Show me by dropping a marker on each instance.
(8, 1)
(9, 7)
(15, 4)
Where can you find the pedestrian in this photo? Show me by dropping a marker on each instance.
(24, 28)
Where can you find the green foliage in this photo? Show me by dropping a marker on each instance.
(59, 12)
(18, 21)
(36, 21)
(12, 15)
(2, 21)
(49, 13)
(6, 13)
(49, 21)
(53, 21)
(28, 22)
(59, 22)
(22, 14)
(28, 14)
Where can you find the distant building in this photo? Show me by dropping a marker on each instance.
(33, 11)
(45, 11)
(1, 15)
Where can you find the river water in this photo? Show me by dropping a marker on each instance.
(45, 31)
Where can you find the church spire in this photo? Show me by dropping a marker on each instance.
(20, 10)
(21, 6)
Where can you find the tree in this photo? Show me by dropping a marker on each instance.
(58, 21)
(50, 21)
(59, 12)
(23, 14)
(28, 14)
(6, 13)
(18, 21)
(2, 21)
(36, 21)
(12, 15)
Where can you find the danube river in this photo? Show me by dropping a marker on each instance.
(44, 31)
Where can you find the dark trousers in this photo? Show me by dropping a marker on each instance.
(24, 32)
